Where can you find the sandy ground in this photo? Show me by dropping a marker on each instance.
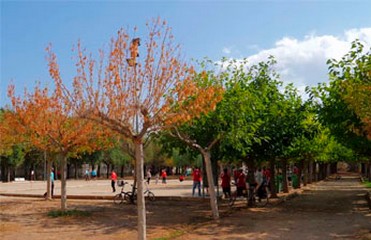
(327, 210)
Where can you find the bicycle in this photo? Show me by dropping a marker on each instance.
(130, 197)
(122, 196)
(255, 198)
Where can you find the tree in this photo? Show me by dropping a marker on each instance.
(344, 102)
(49, 125)
(13, 146)
(354, 72)
(150, 95)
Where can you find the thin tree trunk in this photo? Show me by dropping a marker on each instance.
(301, 166)
(141, 205)
(63, 169)
(122, 171)
(284, 175)
(305, 169)
(272, 182)
(328, 169)
(75, 166)
(209, 174)
(310, 174)
(48, 184)
(8, 176)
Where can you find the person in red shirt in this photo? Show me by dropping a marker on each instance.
(241, 183)
(266, 175)
(113, 180)
(164, 176)
(226, 183)
(196, 181)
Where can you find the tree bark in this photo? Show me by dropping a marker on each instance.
(209, 174)
(48, 184)
(305, 169)
(300, 172)
(272, 183)
(63, 169)
(141, 206)
(284, 175)
(310, 174)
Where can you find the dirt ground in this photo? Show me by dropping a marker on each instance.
(327, 210)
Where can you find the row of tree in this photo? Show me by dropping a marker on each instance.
(229, 112)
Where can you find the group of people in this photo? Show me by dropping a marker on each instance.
(261, 177)
(93, 174)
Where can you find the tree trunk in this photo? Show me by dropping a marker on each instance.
(122, 171)
(76, 170)
(272, 183)
(209, 174)
(3, 169)
(48, 184)
(310, 173)
(305, 169)
(9, 172)
(141, 206)
(284, 175)
(63, 169)
(300, 172)
(68, 171)
(328, 169)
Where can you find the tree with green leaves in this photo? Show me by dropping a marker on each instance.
(345, 100)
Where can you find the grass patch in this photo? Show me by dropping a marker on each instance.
(172, 235)
(368, 184)
(68, 213)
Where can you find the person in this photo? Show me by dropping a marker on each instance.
(196, 181)
(86, 174)
(164, 176)
(241, 182)
(259, 181)
(181, 178)
(226, 183)
(52, 182)
(157, 176)
(113, 180)
(93, 174)
(148, 175)
(266, 175)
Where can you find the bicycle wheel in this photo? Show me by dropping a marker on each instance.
(262, 200)
(151, 196)
(129, 198)
(118, 198)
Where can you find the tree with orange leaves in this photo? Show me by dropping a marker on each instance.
(51, 126)
(135, 100)
(13, 147)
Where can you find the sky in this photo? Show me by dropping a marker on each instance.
(301, 35)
